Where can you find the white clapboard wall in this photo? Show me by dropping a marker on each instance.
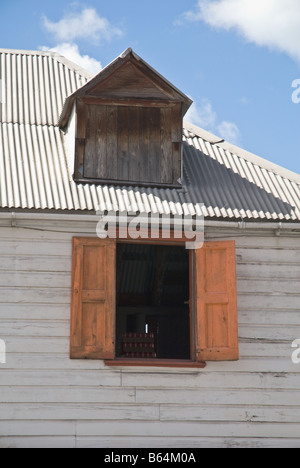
(47, 400)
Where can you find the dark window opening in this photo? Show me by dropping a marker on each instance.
(152, 319)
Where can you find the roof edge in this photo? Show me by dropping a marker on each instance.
(242, 153)
(50, 53)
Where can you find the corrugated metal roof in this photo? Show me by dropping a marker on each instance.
(34, 174)
(35, 86)
(235, 184)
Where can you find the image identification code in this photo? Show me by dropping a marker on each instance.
(169, 457)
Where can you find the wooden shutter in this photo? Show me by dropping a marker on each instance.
(93, 299)
(216, 302)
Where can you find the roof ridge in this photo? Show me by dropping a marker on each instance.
(25, 51)
(242, 153)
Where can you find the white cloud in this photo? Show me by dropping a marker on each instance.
(271, 23)
(203, 115)
(85, 24)
(229, 131)
(71, 52)
(75, 26)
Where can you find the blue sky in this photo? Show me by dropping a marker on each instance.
(237, 59)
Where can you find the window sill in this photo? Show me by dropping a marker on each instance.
(174, 363)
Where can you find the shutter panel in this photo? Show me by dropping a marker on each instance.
(216, 302)
(93, 299)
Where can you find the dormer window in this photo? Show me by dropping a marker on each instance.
(128, 126)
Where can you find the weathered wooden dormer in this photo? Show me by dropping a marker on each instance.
(128, 128)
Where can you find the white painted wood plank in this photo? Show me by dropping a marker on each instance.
(275, 286)
(47, 263)
(67, 395)
(184, 442)
(33, 279)
(218, 380)
(40, 428)
(267, 242)
(27, 328)
(35, 295)
(251, 239)
(72, 378)
(268, 301)
(283, 256)
(258, 348)
(51, 361)
(189, 429)
(40, 345)
(213, 396)
(89, 378)
(34, 312)
(82, 411)
(38, 442)
(265, 332)
(37, 247)
(21, 234)
(267, 271)
(267, 317)
(256, 365)
(230, 414)
(146, 442)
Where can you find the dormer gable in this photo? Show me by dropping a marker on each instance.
(128, 126)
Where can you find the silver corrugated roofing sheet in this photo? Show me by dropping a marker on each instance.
(34, 174)
(35, 85)
(237, 184)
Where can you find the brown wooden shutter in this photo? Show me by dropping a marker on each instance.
(93, 299)
(216, 302)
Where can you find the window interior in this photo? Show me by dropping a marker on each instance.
(152, 317)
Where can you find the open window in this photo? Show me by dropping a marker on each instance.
(152, 313)
(148, 304)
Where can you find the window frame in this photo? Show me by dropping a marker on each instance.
(198, 354)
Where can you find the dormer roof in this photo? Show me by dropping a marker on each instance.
(129, 78)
